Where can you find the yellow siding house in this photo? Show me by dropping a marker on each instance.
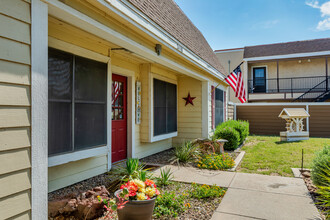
(84, 84)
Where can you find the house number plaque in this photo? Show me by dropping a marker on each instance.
(138, 102)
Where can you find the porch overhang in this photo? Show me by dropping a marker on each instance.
(86, 23)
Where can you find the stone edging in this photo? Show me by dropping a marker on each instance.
(296, 172)
(238, 160)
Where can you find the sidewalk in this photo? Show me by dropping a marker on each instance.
(254, 196)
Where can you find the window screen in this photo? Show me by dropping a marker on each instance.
(165, 107)
(77, 92)
(218, 106)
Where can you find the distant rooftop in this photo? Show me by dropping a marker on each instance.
(306, 46)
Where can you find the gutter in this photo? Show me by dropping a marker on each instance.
(286, 56)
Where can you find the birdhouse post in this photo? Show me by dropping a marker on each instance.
(294, 118)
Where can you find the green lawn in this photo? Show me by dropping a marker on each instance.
(267, 155)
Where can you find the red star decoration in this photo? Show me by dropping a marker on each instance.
(189, 99)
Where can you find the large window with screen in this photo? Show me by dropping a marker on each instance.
(165, 107)
(77, 96)
(218, 107)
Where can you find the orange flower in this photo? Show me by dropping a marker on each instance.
(150, 183)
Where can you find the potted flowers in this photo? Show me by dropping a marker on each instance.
(141, 196)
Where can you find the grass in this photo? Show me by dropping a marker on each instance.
(267, 155)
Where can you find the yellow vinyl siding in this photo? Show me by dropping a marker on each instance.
(15, 204)
(15, 101)
(14, 29)
(14, 73)
(189, 116)
(69, 173)
(14, 160)
(14, 51)
(16, 95)
(17, 9)
(15, 182)
(14, 116)
(14, 138)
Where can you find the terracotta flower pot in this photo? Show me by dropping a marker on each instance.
(136, 210)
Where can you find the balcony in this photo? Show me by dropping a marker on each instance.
(304, 88)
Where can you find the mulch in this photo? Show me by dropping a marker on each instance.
(313, 191)
(165, 157)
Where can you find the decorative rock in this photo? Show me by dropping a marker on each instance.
(55, 206)
(84, 206)
(97, 189)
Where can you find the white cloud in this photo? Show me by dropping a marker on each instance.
(313, 4)
(325, 12)
(265, 24)
(325, 9)
(324, 25)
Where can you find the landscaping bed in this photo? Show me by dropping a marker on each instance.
(191, 208)
(164, 158)
(194, 208)
(306, 175)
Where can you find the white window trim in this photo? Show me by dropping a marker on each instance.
(206, 98)
(95, 151)
(151, 114)
(224, 89)
(266, 75)
(77, 155)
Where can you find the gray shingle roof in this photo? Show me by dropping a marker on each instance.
(306, 46)
(168, 15)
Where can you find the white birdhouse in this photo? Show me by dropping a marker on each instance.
(294, 124)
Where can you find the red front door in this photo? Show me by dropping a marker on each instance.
(119, 118)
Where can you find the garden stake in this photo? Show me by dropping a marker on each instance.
(302, 159)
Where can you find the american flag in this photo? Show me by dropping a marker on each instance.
(235, 80)
(115, 92)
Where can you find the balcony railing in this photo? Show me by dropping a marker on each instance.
(290, 85)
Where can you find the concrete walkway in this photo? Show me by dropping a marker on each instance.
(254, 196)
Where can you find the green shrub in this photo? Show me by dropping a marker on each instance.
(206, 191)
(185, 153)
(324, 191)
(169, 205)
(216, 162)
(242, 127)
(165, 178)
(230, 134)
(320, 164)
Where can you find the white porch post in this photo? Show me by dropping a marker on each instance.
(39, 109)
(109, 114)
(206, 99)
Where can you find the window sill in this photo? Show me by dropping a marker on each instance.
(163, 136)
(78, 155)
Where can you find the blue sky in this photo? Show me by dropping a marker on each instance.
(237, 23)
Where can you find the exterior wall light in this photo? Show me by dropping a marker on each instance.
(158, 49)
